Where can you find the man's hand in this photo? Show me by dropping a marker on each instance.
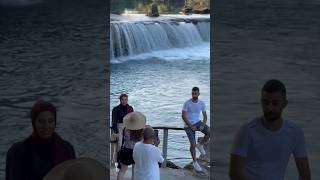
(185, 119)
(114, 136)
(201, 127)
(157, 142)
(194, 128)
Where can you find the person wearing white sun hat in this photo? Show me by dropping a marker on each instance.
(134, 123)
(79, 169)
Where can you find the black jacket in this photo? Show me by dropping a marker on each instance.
(118, 113)
(28, 160)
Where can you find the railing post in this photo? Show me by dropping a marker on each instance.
(165, 147)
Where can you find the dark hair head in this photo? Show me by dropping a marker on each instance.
(274, 85)
(41, 106)
(195, 89)
(123, 95)
(148, 133)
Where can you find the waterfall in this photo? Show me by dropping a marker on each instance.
(132, 38)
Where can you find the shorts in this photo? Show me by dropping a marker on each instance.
(192, 134)
(126, 156)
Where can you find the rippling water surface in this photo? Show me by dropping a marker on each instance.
(54, 50)
(159, 74)
(256, 41)
(159, 82)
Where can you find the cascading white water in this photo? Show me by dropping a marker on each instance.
(204, 29)
(132, 38)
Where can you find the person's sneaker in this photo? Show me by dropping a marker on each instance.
(196, 166)
(200, 148)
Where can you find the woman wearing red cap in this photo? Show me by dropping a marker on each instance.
(35, 156)
(118, 113)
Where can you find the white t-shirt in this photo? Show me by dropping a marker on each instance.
(267, 152)
(146, 158)
(193, 110)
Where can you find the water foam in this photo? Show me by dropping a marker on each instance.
(199, 52)
(134, 38)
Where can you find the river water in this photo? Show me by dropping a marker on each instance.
(159, 74)
(54, 50)
(256, 41)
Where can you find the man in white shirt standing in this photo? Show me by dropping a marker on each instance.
(146, 157)
(191, 117)
(263, 146)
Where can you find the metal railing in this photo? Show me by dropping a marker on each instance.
(165, 140)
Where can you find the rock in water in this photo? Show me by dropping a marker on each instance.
(172, 165)
(200, 6)
(154, 11)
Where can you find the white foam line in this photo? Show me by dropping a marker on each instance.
(200, 52)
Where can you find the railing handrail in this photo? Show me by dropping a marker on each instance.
(165, 127)
(168, 127)
(165, 139)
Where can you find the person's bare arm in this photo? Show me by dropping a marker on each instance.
(157, 142)
(185, 119)
(204, 122)
(205, 117)
(303, 168)
(236, 168)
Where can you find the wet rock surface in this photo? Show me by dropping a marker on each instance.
(203, 161)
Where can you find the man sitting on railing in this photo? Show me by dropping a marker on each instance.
(147, 156)
(190, 115)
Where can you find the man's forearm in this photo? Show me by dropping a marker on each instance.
(303, 168)
(306, 175)
(205, 117)
(205, 120)
(187, 122)
(185, 119)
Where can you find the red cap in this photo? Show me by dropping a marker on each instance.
(123, 95)
(41, 106)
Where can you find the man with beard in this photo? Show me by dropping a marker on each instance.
(262, 147)
(191, 116)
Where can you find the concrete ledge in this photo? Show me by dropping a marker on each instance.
(165, 174)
